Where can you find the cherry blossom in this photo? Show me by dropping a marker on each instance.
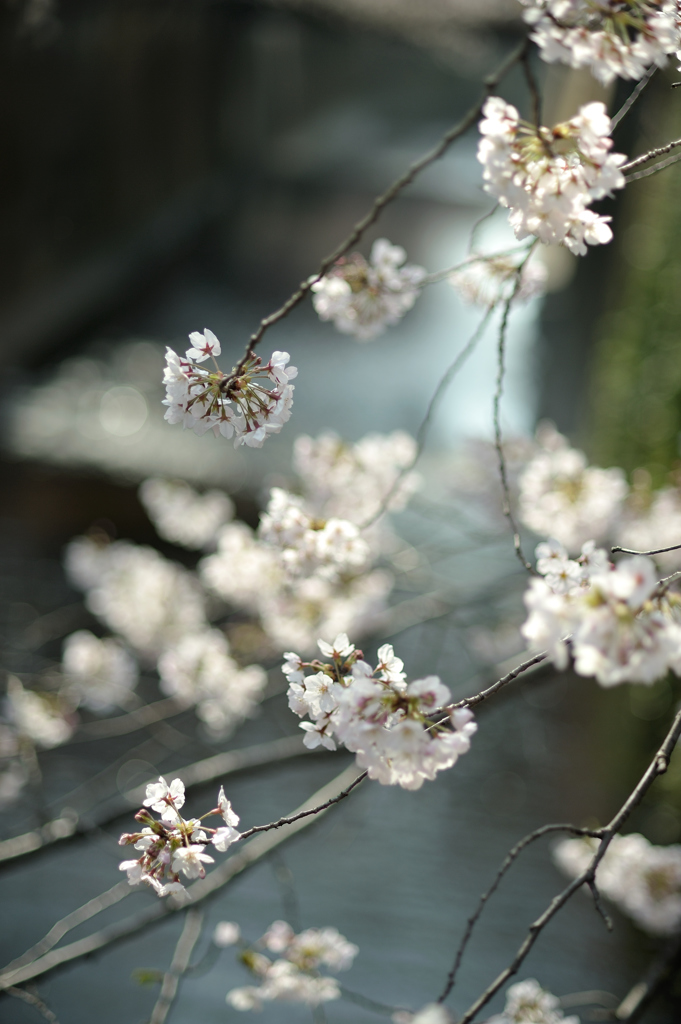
(100, 674)
(232, 405)
(643, 880)
(528, 1003)
(489, 280)
(183, 516)
(376, 714)
(548, 177)
(364, 298)
(562, 496)
(611, 38)
(294, 976)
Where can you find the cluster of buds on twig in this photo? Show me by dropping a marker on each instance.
(232, 405)
(175, 845)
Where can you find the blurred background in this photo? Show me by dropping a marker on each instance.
(170, 165)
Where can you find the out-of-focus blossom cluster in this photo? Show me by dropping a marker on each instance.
(172, 845)
(562, 496)
(643, 880)
(158, 608)
(652, 519)
(548, 177)
(490, 280)
(611, 38)
(200, 670)
(433, 1013)
(182, 516)
(375, 713)
(307, 570)
(528, 1003)
(293, 974)
(363, 298)
(232, 405)
(620, 624)
(43, 718)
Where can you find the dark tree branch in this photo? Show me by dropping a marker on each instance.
(657, 766)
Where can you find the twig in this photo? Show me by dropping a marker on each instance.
(533, 88)
(657, 766)
(179, 964)
(470, 702)
(598, 904)
(33, 1000)
(149, 714)
(69, 823)
(654, 170)
(656, 551)
(650, 155)
(202, 890)
(422, 433)
(280, 822)
(642, 994)
(631, 99)
(501, 356)
(391, 193)
(511, 856)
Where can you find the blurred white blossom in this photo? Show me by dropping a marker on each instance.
(643, 880)
(42, 718)
(528, 1003)
(488, 280)
(100, 674)
(182, 515)
(611, 38)
(364, 298)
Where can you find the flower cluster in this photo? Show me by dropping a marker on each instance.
(100, 674)
(562, 496)
(172, 845)
(652, 520)
(548, 177)
(308, 571)
(145, 598)
(489, 280)
(364, 298)
(528, 1003)
(309, 545)
(643, 880)
(183, 516)
(612, 37)
(621, 625)
(45, 719)
(232, 405)
(294, 975)
(199, 670)
(375, 713)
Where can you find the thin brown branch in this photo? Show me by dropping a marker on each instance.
(69, 823)
(533, 88)
(280, 822)
(656, 551)
(496, 417)
(171, 979)
(391, 193)
(202, 890)
(478, 698)
(650, 155)
(511, 856)
(422, 433)
(657, 766)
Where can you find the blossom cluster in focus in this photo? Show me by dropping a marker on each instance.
(172, 845)
(548, 177)
(232, 405)
(376, 714)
